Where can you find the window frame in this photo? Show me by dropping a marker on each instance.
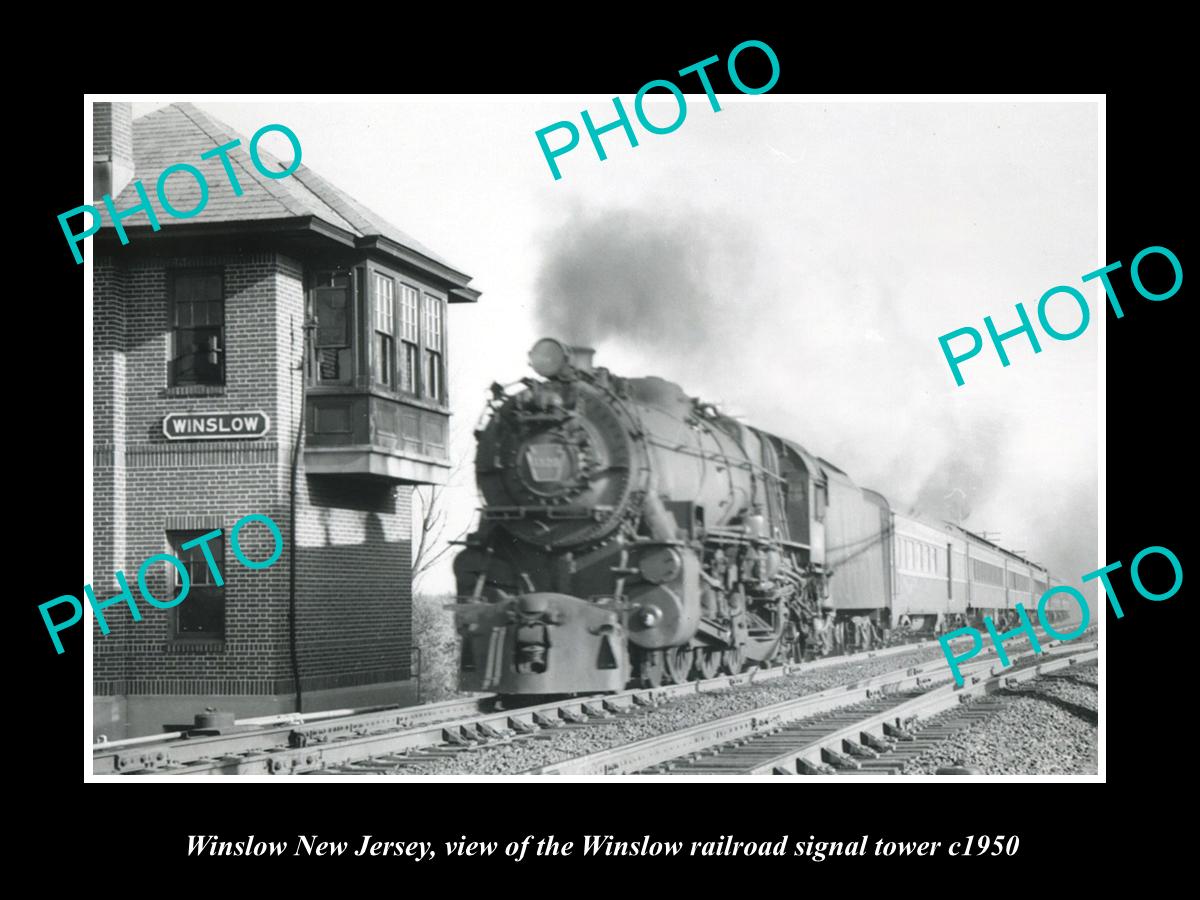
(435, 393)
(320, 278)
(176, 538)
(173, 355)
(386, 336)
(414, 374)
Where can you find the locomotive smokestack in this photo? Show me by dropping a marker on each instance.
(551, 358)
(581, 358)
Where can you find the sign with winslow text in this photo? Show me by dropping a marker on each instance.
(220, 426)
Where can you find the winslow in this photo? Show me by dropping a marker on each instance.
(597, 845)
(185, 426)
(197, 844)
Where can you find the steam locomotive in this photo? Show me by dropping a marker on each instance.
(632, 534)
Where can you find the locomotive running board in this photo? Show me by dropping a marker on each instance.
(717, 633)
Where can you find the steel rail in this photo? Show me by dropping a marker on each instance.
(303, 747)
(320, 740)
(763, 720)
(854, 740)
(270, 733)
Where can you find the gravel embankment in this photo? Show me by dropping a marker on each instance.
(1046, 728)
(552, 746)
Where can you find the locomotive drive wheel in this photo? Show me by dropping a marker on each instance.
(732, 661)
(651, 669)
(708, 662)
(678, 663)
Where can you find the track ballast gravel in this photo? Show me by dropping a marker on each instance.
(1047, 727)
(558, 744)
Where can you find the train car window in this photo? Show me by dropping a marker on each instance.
(986, 573)
(820, 502)
(202, 614)
(197, 328)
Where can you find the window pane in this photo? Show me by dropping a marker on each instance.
(383, 362)
(433, 323)
(433, 376)
(384, 303)
(210, 287)
(333, 324)
(408, 367)
(202, 613)
(185, 288)
(198, 314)
(408, 313)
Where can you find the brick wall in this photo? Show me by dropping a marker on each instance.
(112, 131)
(354, 537)
(355, 563)
(101, 129)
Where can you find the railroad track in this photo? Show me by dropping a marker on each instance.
(391, 739)
(161, 753)
(861, 728)
(359, 740)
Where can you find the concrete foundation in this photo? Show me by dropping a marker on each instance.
(126, 716)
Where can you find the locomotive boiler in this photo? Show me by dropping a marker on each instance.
(630, 533)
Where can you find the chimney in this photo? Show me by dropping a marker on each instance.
(112, 148)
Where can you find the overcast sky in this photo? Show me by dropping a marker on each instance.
(793, 261)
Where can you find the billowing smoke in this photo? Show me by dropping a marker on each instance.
(643, 279)
(963, 479)
(833, 347)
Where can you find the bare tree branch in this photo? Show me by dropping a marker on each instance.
(432, 544)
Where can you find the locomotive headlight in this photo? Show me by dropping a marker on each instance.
(549, 357)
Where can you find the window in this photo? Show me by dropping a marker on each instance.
(384, 351)
(202, 613)
(331, 309)
(986, 573)
(433, 347)
(408, 339)
(197, 328)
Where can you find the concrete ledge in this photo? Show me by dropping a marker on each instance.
(134, 715)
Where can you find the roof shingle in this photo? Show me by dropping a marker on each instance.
(181, 132)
